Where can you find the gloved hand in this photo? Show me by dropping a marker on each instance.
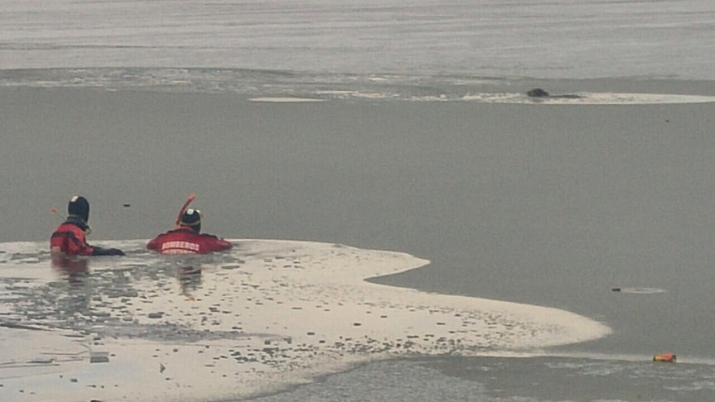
(115, 251)
(107, 251)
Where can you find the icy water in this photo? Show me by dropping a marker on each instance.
(419, 140)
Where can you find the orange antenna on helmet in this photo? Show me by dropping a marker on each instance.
(190, 198)
(54, 211)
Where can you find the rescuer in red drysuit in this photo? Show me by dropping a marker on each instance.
(187, 239)
(70, 237)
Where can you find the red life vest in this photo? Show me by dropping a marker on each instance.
(185, 240)
(70, 239)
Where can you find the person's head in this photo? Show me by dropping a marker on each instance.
(79, 207)
(192, 219)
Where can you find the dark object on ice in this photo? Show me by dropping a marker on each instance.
(540, 93)
(99, 357)
(537, 93)
(616, 290)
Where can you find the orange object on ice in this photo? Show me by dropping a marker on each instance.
(665, 357)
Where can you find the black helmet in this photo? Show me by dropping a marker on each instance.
(192, 219)
(79, 207)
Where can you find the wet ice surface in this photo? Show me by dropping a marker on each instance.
(283, 87)
(534, 379)
(267, 315)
